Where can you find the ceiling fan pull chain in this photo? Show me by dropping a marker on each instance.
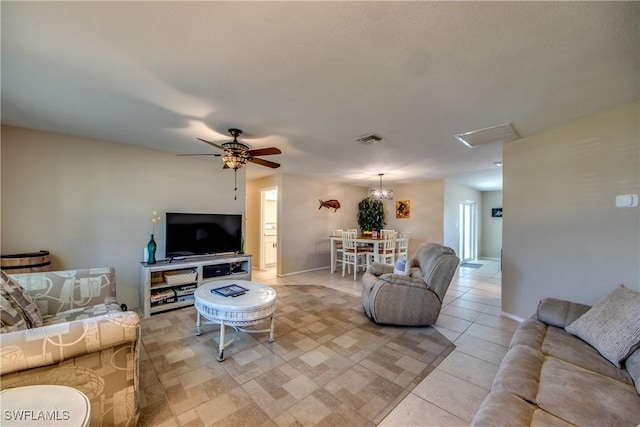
(235, 183)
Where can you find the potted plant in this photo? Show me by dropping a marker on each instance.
(370, 215)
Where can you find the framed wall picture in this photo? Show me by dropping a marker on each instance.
(403, 209)
(496, 212)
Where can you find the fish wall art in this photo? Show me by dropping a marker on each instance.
(329, 204)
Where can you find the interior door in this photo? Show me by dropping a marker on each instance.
(269, 228)
(468, 233)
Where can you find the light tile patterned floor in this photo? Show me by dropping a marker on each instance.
(452, 393)
(204, 392)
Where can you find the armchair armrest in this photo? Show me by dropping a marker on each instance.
(559, 313)
(55, 343)
(378, 269)
(57, 291)
(402, 280)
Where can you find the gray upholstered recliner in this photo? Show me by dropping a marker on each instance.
(413, 300)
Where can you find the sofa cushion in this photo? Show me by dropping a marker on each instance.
(611, 326)
(21, 302)
(503, 409)
(544, 419)
(585, 398)
(519, 372)
(562, 345)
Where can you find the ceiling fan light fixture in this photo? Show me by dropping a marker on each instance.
(233, 162)
(381, 193)
(233, 157)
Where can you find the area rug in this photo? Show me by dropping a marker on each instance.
(470, 265)
(328, 365)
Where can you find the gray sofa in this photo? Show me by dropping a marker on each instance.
(550, 377)
(414, 299)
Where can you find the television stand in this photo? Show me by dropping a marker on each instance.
(171, 283)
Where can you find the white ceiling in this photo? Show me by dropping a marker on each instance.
(311, 77)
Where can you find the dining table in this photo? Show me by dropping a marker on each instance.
(361, 239)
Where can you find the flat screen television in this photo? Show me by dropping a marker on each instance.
(191, 234)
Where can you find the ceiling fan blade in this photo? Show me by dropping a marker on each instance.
(263, 162)
(264, 151)
(217, 155)
(211, 143)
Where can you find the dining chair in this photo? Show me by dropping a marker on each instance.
(385, 231)
(403, 244)
(338, 233)
(352, 254)
(360, 245)
(387, 250)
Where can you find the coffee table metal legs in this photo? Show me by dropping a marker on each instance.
(224, 344)
(271, 328)
(198, 333)
(221, 346)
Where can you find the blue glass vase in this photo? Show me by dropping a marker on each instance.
(151, 251)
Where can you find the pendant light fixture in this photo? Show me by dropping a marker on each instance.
(381, 193)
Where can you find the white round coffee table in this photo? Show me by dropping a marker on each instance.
(255, 305)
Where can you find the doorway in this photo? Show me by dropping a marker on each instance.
(468, 233)
(269, 228)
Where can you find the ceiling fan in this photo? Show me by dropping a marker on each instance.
(236, 154)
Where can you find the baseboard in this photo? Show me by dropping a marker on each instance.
(303, 271)
(511, 316)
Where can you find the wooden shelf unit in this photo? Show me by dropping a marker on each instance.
(153, 277)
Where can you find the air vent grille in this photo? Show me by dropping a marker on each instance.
(500, 133)
(370, 139)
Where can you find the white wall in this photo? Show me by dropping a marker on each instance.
(90, 202)
(454, 194)
(563, 236)
(427, 209)
(491, 237)
(303, 228)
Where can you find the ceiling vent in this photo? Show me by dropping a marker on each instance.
(370, 139)
(500, 133)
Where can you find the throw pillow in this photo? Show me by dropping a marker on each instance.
(402, 266)
(11, 320)
(20, 300)
(612, 325)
